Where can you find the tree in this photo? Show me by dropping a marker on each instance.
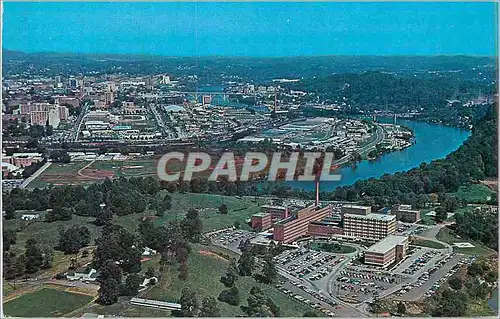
(104, 216)
(237, 224)
(120, 246)
(246, 263)
(231, 275)
(209, 307)
(311, 314)
(451, 304)
(223, 209)
(230, 296)
(475, 270)
(10, 212)
(73, 239)
(47, 256)
(59, 213)
(269, 273)
(131, 286)
(441, 214)
(150, 272)
(401, 308)
(109, 279)
(491, 276)
(189, 303)
(184, 271)
(259, 305)
(9, 238)
(33, 255)
(455, 283)
(192, 225)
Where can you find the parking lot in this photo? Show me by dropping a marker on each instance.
(231, 238)
(427, 283)
(310, 297)
(355, 285)
(308, 264)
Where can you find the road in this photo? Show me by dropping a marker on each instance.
(379, 137)
(35, 174)
(73, 136)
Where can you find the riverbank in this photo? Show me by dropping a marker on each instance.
(433, 141)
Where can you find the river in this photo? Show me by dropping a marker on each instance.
(433, 141)
(493, 301)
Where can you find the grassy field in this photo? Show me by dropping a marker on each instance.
(448, 236)
(239, 209)
(332, 248)
(45, 303)
(427, 243)
(475, 193)
(68, 173)
(204, 274)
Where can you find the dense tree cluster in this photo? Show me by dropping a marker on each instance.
(465, 290)
(35, 257)
(74, 238)
(121, 196)
(259, 305)
(479, 225)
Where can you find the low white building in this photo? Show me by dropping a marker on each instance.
(84, 274)
(30, 216)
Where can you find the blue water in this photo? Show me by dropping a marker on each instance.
(493, 302)
(433, 141)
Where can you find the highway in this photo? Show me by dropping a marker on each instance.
(73, 135)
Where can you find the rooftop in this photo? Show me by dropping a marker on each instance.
(373, 216)
(356, 206)
(387, 244)
(260, 214)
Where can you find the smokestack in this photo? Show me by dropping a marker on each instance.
(275, 101)
(317, 193)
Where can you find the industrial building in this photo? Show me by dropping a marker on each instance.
(387, 251)
(371, 227)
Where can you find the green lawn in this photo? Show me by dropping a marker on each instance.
(239, 209)
(45, 303)
(204, 274)
(427, 243)
(332, 248)
(474, 193)
(47, 233)
(448, 236)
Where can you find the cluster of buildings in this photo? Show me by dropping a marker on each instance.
(351, 222)
(41, 113)
(14, 164)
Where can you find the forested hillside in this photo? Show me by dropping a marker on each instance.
(476, 159)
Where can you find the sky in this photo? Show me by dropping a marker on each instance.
(252, 29)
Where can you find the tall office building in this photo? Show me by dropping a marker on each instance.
(371, 226)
